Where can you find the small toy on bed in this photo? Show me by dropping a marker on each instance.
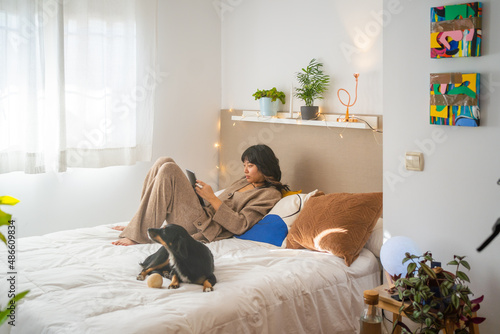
(182, 258)
(155, 281)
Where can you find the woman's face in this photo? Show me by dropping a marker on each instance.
(252, 173)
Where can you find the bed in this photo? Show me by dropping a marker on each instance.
(80, 283)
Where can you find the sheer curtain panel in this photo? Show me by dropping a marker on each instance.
(77, 83)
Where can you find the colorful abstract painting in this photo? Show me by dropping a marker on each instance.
(456, 30)
(454, 99)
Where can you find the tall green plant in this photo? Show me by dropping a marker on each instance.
(313, 83)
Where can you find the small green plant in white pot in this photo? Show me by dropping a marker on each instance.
(313, 83)
(268, 100)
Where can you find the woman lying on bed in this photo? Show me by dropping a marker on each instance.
(168, 195)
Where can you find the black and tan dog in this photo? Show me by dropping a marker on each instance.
(181, 259)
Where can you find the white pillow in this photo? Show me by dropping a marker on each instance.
(288, 207)
(376, 239)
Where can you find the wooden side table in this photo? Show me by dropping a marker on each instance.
(385, 302)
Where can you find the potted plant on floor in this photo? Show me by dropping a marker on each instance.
(268, 100)
(313, 83)
(437, 299)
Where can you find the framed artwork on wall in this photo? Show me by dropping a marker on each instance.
(454, 99)
(456, 30)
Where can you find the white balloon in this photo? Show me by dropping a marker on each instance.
(393, 252)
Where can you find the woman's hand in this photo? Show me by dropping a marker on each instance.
(206, 192)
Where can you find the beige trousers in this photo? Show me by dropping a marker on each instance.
(167, 195)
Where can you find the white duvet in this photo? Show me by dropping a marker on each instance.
(80, 283)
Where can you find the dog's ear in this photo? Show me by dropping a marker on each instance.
(181, 245)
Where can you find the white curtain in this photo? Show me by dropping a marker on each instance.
(77, 83)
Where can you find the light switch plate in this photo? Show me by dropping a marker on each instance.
(414, 161)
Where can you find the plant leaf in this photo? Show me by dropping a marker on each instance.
(414, 280)
(411, 267)
(455, 301)
(477, 300)
(20, 295)
(465, 264)
(475, 307)
(406, 281)
(463, 276)
(402, 325)
(444, 290)
(5, 313)
(8, 200)
(3, 316)
(478, 320)
(450, 278)
(428, 270)
(449, 284)
(5, 218)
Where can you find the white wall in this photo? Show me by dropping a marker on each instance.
(450, 207)
(264, 44)
(186, 128)
(188, 105)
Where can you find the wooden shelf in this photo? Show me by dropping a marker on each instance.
(326, 120)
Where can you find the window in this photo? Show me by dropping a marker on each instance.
(77, 83)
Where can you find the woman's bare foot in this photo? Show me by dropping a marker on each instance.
(118, 228)
(124, 242)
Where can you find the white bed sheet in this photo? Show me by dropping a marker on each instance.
(80, 283)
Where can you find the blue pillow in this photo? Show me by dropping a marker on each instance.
(271, 229)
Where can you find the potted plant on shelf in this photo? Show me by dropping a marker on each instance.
(437, 299)
(313, 83)
(268, 100)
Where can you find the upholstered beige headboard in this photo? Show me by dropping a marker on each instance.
(311, 157)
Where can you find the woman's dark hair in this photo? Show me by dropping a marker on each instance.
(267, 163)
